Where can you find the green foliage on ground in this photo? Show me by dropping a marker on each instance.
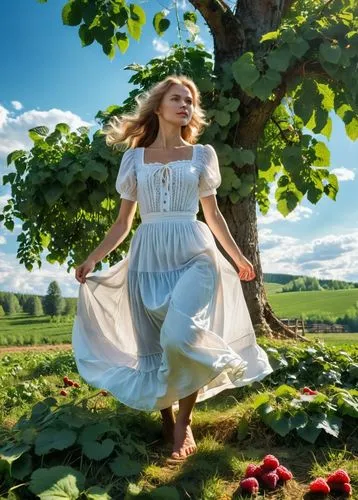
(86, 441)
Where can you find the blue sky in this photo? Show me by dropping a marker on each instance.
(47, 78)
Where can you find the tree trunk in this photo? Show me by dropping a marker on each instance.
(242, 221)
(233, 34)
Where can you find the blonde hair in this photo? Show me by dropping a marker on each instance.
(141, 127)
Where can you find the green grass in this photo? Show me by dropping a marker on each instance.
(214, 472)
(293, 304)
(22, 329)
(340, 339)
(272, 288)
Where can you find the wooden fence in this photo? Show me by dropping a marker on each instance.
(299, 326)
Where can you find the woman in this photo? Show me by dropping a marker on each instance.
(168, 324)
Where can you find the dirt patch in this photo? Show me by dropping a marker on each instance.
(40, 347)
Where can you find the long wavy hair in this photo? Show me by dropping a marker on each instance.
(140, 128)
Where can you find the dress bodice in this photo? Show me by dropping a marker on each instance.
(173, 186)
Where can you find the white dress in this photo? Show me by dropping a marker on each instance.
(170, 318)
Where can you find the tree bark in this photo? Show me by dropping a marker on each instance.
(233, 34)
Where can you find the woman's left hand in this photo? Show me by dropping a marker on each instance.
(246, 269)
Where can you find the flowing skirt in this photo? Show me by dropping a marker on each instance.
(167, 320)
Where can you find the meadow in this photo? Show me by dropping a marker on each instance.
(78, 441)
(61, 441)
(22, 329)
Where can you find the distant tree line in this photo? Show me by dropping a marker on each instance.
(52, 304)
(308, 284)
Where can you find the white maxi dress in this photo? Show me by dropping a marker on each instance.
(170, 318)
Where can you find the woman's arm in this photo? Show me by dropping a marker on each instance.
(117, 232)
(217, 224)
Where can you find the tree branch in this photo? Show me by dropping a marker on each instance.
(287, 6)
(225, 27)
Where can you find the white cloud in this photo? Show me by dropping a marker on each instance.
(14, 135)
(14, 277)
(161, 46)
(14, 130)
(17, 105)
(330, 257)
(344, 174)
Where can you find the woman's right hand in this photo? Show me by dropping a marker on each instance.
(82, 270)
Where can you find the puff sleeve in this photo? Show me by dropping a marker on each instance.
(126, 182)
(210, 177)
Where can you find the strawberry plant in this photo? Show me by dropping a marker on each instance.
(287, 410)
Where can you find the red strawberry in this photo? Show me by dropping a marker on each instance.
(259, 471)
(308, 390)
(63, 392)
(270, 479)
(284, 473)
(347, 488)
(76, 384)
(65, 379)
(270, 462)
(339, 476)
(251, 470)
(70, 382)
(319, 485)
(250, 485)
(104, 393)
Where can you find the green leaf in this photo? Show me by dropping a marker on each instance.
(232, 104)
(245, 71)
(14, 155)
(165, 493)
(279, 59)
(278, 422)
(260, 400)
(330, 52)
(299, 420)
(63, 128)
(309, 432)
(53, 193)
(331, 425)
(98, 451)
(352, 129)
(97, 493)
(11, 452)
(243, 157)
(299, 47)
(136, 20)
(72, 13)
(123, 466)
(323, 155)
(37, 133)
(272, 35)
(331, 189)
(122, 41)
(160, 23)
(86, 35)
(57, 482)
(222, 117)
(263, 88)
(285, 390)
(53, 439)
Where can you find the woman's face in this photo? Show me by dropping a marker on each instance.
(177, 100)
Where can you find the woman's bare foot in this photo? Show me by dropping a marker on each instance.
(184, 443)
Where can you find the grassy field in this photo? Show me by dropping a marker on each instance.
(22, 329)
(292, 304)
(229, 431)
